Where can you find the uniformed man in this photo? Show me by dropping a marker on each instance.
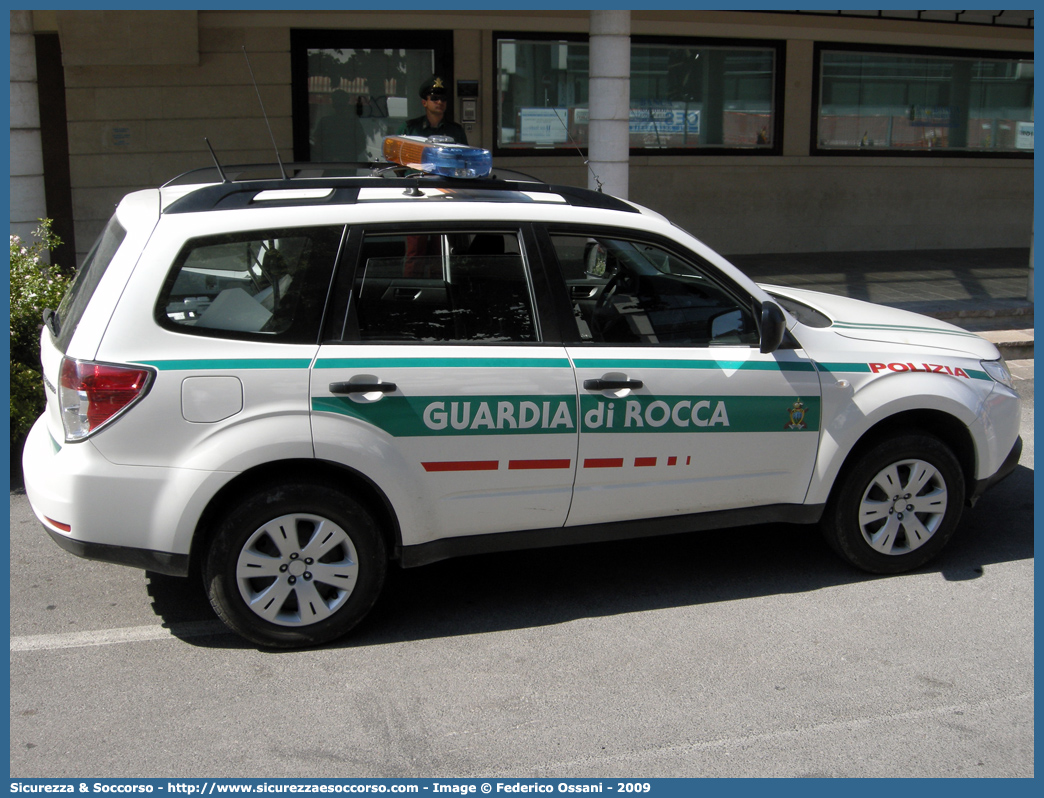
(434, 122)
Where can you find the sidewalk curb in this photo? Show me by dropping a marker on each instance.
(1013, 344)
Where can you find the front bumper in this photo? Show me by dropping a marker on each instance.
(980, 486)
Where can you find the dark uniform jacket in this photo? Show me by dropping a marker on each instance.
(421, 127)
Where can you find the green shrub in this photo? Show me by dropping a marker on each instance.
(35, 285)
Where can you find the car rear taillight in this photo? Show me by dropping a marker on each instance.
(93, 394)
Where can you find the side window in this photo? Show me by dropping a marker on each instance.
(443, 287)
(631, 292)
(267, 284)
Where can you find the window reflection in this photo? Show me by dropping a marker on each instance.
(356, 97)
(682, 96)
(911, 102)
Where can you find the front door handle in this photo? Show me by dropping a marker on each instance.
(611, 385)
(362, 387)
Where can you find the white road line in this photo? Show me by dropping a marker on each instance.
(105, 637)
(744, 741)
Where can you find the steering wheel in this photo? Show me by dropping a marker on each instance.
(604, 314)
(607, 293)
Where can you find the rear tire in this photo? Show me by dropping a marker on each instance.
(897, 506)
(295, 565)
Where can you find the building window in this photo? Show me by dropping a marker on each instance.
(899, 101)
(686, 95)
(352, 88)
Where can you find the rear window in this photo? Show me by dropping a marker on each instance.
(70, 311)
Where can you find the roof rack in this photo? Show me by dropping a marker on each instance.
(267, 171)
(238, 186)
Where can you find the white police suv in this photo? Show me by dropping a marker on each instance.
(289, 382)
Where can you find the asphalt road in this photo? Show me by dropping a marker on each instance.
(749, 652)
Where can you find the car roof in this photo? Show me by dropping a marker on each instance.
(375, 189)
(318, 184)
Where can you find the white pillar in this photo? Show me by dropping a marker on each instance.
(27, 184)
(610, 101)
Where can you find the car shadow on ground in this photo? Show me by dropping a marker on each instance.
(514, 590)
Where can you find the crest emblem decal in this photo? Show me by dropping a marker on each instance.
(797, 416)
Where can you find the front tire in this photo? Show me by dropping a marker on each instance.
(295, 565)
(897, 506)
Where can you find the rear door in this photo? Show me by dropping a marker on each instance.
(438, 386)
(679, 411)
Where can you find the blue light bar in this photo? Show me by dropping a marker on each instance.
(438, 157)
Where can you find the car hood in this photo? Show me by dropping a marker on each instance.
(865, 321)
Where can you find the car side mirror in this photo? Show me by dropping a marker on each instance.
(595, 259)
(773, 326)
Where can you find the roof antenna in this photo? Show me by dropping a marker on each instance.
(221, 172)
(265, 115)
(573, 141)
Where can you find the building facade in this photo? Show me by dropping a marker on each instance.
(759, 132)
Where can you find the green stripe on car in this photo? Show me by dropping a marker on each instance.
(715, 365)
(442, 362)
(433, 416)
(228, 364)
(852, 325)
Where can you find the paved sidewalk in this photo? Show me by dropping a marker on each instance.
(1021, 369)
(983, 290)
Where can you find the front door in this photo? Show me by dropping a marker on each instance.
(679, 411)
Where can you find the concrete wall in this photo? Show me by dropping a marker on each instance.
(28, 202)
(138, 117)
(137, 126)
(844, 204)
(742, 206)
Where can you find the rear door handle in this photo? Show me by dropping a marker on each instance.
(362, 387)
(611, 385)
